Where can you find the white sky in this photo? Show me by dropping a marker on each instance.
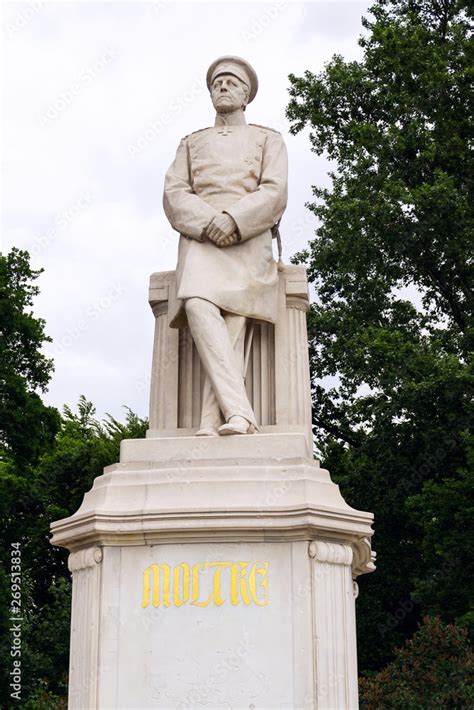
(95, 99)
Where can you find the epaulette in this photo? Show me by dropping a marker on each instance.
(257, 125)
(194, 132)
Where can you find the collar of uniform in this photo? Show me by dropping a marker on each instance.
(230, 119)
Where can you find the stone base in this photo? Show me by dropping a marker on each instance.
(215, 573)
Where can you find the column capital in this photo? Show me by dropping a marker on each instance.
(296, 287)
(159, 289)
(364, 557)
(335, 553)
(359, 554)
(82, 559)
(159, 308)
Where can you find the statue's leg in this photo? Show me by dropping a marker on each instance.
(211, 417)
(223, 366)
(236, 329)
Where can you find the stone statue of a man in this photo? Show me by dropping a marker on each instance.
(224, 192)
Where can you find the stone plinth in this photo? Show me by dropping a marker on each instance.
(215, 573)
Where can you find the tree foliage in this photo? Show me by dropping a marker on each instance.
(26, 425)
(435, 669)
(391, 332)
(47, 462)
(54, 489)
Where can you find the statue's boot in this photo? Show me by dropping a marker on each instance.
(236, 425)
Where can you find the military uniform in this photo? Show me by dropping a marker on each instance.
(240, 170)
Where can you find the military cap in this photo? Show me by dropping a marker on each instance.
(236, 66)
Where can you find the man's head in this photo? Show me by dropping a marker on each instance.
(232, 82)
(229, 94)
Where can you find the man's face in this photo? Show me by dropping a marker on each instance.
(228, 93)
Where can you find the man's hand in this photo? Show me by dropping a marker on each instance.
(228, 241)
(222, 230)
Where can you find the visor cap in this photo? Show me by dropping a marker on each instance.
(236, 66)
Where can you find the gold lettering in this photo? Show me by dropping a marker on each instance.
(216, 582)
(146, 588)
(238, 584)
(195, 586)
(181, 591)
(248, 583)
(165, 575)
(261, 569)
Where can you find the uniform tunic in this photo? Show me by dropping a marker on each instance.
(241, 170)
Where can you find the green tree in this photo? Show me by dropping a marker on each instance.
(56, 486)
(27, 425)
(47, 462)
(435, 669)
(391, 331)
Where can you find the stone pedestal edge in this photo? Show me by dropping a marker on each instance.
(85, 566)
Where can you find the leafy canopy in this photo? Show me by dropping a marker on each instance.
(26, 424)
(435, 669)
(53, 489)
(47, 462)
(391, 332)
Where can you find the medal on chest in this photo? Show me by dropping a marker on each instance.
(229, 148)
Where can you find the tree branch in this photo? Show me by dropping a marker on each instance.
(335, 431)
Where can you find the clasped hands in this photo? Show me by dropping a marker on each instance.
(222, 230)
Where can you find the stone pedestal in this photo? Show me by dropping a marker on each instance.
(208, 573)
(218, 572)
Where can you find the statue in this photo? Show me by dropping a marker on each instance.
(182, 535)
(224, 193)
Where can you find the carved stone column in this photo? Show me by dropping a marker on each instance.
(297, 349)
(85, 566)
(293, 389)
(164, 371)
(157, 385)
(334, 630)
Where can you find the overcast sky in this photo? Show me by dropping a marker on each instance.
(96, 97)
